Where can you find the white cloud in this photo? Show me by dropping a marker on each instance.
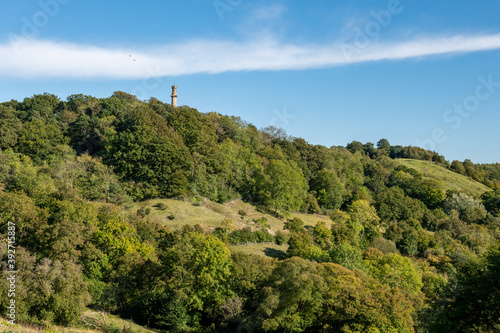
(35, 58)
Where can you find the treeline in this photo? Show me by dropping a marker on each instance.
(401, 254)
(488, 174)
(156, 150)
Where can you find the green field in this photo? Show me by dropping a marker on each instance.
(210, 214)
(24, 328)
(448, 179)
(108, 319)
(265, 249)
(118, 322)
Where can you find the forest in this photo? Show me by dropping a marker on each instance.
(402, 253)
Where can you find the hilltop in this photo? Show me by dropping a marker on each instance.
(450, 180)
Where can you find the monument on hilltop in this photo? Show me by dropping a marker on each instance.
(174, 96)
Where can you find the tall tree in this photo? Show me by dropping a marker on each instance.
(305, 296)
(282, 186)
(329, 189)
(364, 221)
(148, 151)
(40, 140)
(10, 126)
(472, 300)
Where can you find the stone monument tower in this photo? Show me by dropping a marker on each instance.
(174, 96)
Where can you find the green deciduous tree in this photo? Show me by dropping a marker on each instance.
(40, 140)
(61, 293)
(329, 189)
(45, 107)
(305, 296)
(347, 255)
(322, 235)
(471, 302)
(198, 133)
(384, 144)
(393, 204)
(491, 201)
(148, 151)
(198, 269)
(116, 236)
(364, 220)
(470, 210)
(282, 186)
(395, 270)
(10, 127)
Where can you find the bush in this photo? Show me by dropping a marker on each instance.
(281, 238)
(263, 236)
(161, 206)
(242, 213)
(143, 211)
(245, 236)
(221, 234)
(242, 236)
(262, 222)
(49, 329)
(171, 217)
(384, 245)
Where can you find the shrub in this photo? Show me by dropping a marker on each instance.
(171, 217)
(143, 211)
(242, 236)
(161, 206)
(227, 224)
(263, 236)
(242, 212)
(384, 245)
(281, 238)
(262, 222)
(49, 329)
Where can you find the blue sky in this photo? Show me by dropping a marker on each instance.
(416, 72)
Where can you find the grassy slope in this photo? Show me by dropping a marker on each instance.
(119, 322)
(110, 320)
(210, 214)
(449, 179)
(19, 328)
(267, 249)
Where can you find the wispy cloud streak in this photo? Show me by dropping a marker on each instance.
(43, 59)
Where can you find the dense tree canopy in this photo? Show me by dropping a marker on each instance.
(385, 248)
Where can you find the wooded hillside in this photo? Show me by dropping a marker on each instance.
(389, 245)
